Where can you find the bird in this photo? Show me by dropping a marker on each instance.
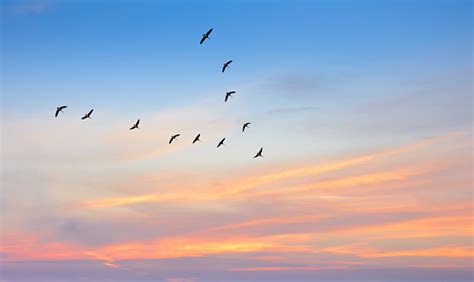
(205, 36)
(228, 94)
(226, 65)
(221, 143)
(246, 125)
(59, 109)
(197, 138)
(88, 115)
(173, 137)
(259, 154)
(135, 125)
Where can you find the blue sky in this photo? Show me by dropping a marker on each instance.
(85, 51)
(364, 109)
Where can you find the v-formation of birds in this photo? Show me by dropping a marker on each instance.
(228, 95)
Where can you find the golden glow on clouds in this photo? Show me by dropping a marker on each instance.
(287, 216)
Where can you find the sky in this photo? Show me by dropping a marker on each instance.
(363, 108)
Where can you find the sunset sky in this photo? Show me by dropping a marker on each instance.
(364, 110)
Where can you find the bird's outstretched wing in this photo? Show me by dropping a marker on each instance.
(259, 154)
(197, 138)
(135, 125)
(226, 65)
(221, 143)
(59, 109)
(173, 137)
(208, 32)
(205, 36)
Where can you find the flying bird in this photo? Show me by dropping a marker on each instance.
(226, 65)
(259, 154)
(205, 36)
(221, 143)
(246, 125)
(197, 138)
(173, 137)
(88, 115)
(135, 125)
(59, 109)
(228, 94)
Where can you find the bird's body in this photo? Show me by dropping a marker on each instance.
(197, 138)
(221, 143)
(135, 125)
(205, 36)
(228, 94)
(58, 110)
(246, 125)
(259, 154)
(173, 137)
(226, 65)
(88, 115)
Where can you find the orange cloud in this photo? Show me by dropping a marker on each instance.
(20, 246)
(362, 250)
(247, 188)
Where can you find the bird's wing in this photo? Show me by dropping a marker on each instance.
(208, 32)
(138, 121)
(90, 112)
(223, 68)
(221, 143)
(202, 39)
(229, 62)
(84, 117)
(57, 112)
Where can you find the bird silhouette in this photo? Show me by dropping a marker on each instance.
(173, 137)
(58, 110)
(205, 36)
(228, 94)
(135, 125)
(88, 115)
(197, 138)
(226, 65)
(221, 143)
(246, 125)
(259, 154)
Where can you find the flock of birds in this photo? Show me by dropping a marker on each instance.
(173, 137)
